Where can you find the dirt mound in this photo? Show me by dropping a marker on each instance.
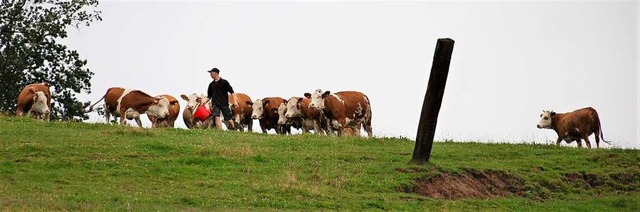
(470, 184)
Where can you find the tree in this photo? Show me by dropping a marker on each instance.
(30, 53)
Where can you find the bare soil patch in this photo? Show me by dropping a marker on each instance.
(484, 184)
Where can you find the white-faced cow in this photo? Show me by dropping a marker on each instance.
(174, 110)
(288, 123)
(573, 126)
(130, 103)
(298, 108)
(343, 109)
(35, 100)
(193, 102)
(241, 111)
(266, 111)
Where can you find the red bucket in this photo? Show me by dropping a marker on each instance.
(202, 113)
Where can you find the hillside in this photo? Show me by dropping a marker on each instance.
(78, 166)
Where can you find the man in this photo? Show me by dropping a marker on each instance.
(217, 93)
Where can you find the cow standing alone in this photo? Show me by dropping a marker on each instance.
(573, 126)
(35, 100)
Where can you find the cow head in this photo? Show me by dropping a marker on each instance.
(546, 119)
(193, 100)
(40, 102)
(258, 108)
(293, 107)
(159, 108)
(282, 109)
(317, 99)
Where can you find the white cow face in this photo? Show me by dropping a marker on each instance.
(317, 99)
(192, 100)
(258, 108)
(40, 103)
(160, 108)
(293, 107)
(545, 119)
(282, 109)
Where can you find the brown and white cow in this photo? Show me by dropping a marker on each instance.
(573, 126)
(193, 102)
(174, 110)
(298, 108)
(266, 111)
(130, 103)
(35, 100)
(241, 111)
(288, 123)
(343, 109)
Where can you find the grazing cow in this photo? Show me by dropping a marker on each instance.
(573, 126)
(343, 109)
(193, 102)
(266, 111)
(298, 107)
(35, 100)
(241, 111)
(130, 103)
(174, 110)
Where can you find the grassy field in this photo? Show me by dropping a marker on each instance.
(78, 166)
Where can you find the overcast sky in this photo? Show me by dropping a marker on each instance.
(511, 60)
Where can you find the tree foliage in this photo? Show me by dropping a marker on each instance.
(30, 52)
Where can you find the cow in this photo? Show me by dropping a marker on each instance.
(573, 126)
(266, 111)
(193, 102)
(130, 103)
(174, 110)
(343, 109)
(241, 112)
(287, 123)
(35, 100)
(298, 107)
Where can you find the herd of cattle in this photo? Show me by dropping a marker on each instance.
(338, 113)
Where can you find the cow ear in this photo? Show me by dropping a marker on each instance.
(199, 100)
(32, 90)
(307, 95)
(299, 100)
(326, 93)
(35, 97)
(553, 114)
(249, 103)
(265, 102)
(185, 97)
(285, 101)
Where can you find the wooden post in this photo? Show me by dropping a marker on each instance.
(432, 100)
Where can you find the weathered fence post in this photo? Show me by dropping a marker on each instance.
(432, 100)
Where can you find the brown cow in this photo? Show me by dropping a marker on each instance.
(174, 110)
(35, 100)
(343, 109)
(193, 102)
(241, 111)
(298, 107)
(573, 126)
(266, 111)
(129, 104)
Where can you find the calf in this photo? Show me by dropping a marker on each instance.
(35, 100)
(266, 111)
(241, 111)
(343, 109)
(193, 102)
(573, 126)
(130, 103)
(174, 110)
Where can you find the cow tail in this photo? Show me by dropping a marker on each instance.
(600, 127)
(94, 104)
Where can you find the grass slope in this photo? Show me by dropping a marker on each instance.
(78, 166)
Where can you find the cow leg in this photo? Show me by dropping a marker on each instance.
(579, 141)
(558, 141)
(250, 125)
(597, 138)
(586, 141)
(123, 117)
(140, 122)
(367, 127)
(47, 116)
